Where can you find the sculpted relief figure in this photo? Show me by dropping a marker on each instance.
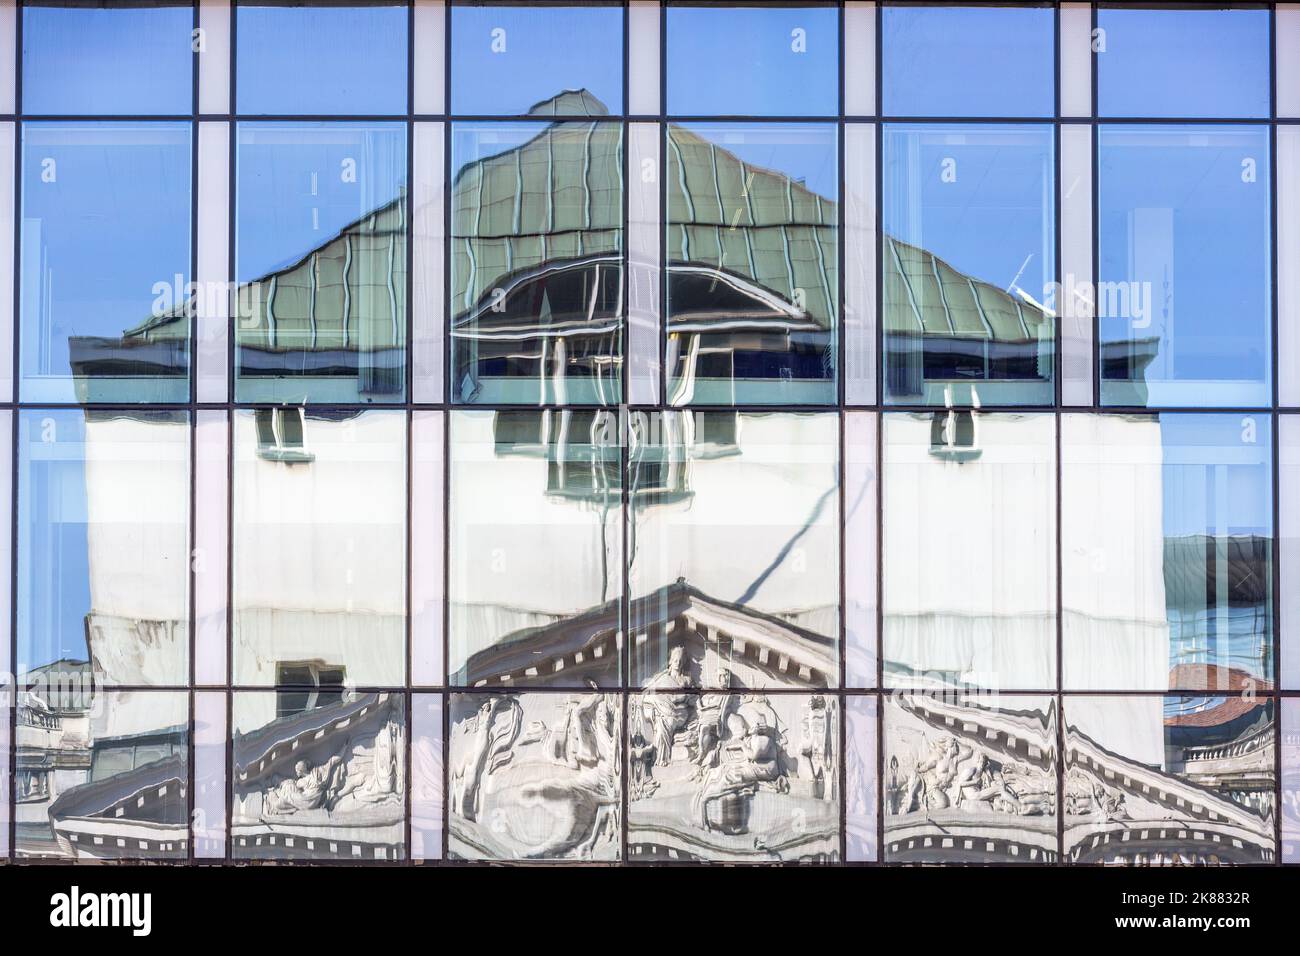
(552, 791)
(665, 707)
(952, 774)
(926, 787)
(310, 788)
(816, 750)
(750, 756)
(486, 746)
(369, 772)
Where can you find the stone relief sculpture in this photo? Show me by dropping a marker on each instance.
(368, 772)
(731, 773)
(536, 776)
(328, 782)
(970, 780)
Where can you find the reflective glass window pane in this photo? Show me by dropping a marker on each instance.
(967, 260)
(535, 777)
(860, 767)
(320, 252)
(105, 262)
(1184, 290)
(427, 780)
(102, 775)
(763, 490)
(1290, 780)
(970, 779)
(753, 60)
(753, 267)
(537, 263)
(103, 534)
(1190, 63)
(1170, 781)
(969, 520)
(107, 59)
(513, 60)
(319, 549)
(968, 60)
(749, 778)
(321, 59)
(535, 548)
(320, 779)
(1167, 551)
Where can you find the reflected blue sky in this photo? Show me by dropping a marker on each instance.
(54, 570)
(742, 61)
(1186, 210)
(321, 60)
(968, 61)
(293, 189)
(541, 52)
(805, 152)
(980, 198)
(1201, 452)
(124, 60)
(1189, 63)
(114, 220)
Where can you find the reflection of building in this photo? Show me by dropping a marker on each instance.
(945, 328)
(335, 317)
(537, 271)
(721, 775)
(104, 777)
(327, 783)
(1170, 781)
(535, 776)
(752, 275)
(53, 750)
(970, 781)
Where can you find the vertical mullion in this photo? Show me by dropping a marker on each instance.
(11, 794)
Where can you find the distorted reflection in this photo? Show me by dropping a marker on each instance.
(535, 548)
(321, 232)
(751, 59)
(1183, 298)
(753, 263)
(1290, 748)
(101, 775)
(1167, 552)
(733, 776)
(535, 776)
(324, 782)
(537, 258)
(968, 254)
(105, 297)
(319, 554)
(103, 532)
(761, 489)
(860, 770)
(505, 59)
(969, 552)
(1176, 781)
(970, 779)
(427, 780)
